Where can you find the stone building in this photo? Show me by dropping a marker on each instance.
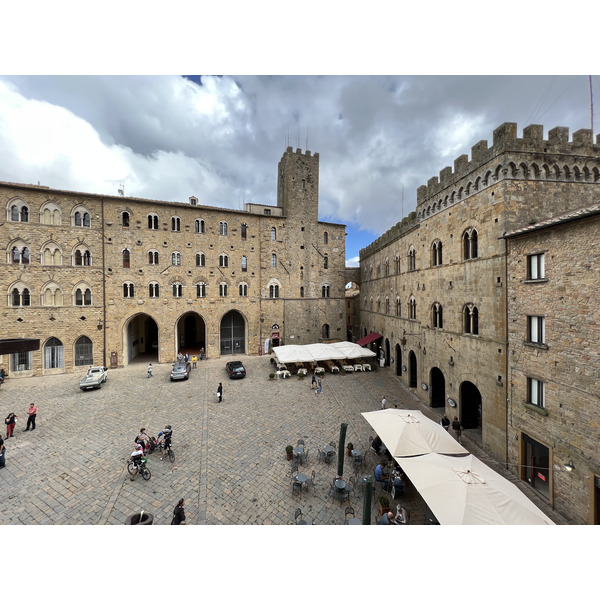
(554, 360)
(434, 286)
(106, 279)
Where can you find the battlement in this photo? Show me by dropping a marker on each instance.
(290, 150)
(505, 141)
(391, 235)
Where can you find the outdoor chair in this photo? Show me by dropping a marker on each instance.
(300, 442)
(305, 456)
(296, 487)
(297, 514)
(351, 486)
(332, 489)
(332, 444)
(321, 456)
(348, 514)
(311, 482)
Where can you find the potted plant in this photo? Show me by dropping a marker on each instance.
(384, 505)
(349, 449)
(303, 374)
(289, 452)
(271, 376)
(272, 360)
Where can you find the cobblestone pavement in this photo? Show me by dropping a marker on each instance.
(230, 457)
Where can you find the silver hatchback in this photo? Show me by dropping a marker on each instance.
(181, 370)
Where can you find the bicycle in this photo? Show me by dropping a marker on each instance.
(168, 451)
(144, 471)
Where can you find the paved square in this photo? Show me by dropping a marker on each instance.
(230, 457)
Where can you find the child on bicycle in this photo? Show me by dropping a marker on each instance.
(136, 458)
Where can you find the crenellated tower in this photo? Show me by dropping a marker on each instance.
(298, 185)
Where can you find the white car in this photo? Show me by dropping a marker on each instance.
(95, 377)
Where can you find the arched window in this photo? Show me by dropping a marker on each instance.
(471, 319)
(412, 259)
(325, 332)
(326, 262)
(387, 306)
(199, 226)
(437, 316)
(274, 291)
(52, 295)
(273, 260)
(20, 255)
(273, 234)
(398, 307)
(153, 290)
(20, 296)
(470, 249)
(175, 224)
(387, 267)
(325, 291)
(152, 257)
(82, 218)
(176, 258)
(50, 214)
(82, 296)
(222, 227)
(19, 211)
(223, 290)
(243, 289)
(436, 253)
(244, 263)
(223, 260)
(152, 221)
(128, 290)
(126, 258)
(82, 257)
(125, 219)
(51, 255)
(84, 351)
(201, 290)
(397, 265)
(54, 354)
(243, 230)
(200, 259)
(412, 308)
(177, 290)
(325, 238)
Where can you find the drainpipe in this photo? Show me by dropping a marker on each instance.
(103, 288)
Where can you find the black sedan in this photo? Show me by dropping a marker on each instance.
(235, 369)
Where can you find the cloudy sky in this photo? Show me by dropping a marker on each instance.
(220, 138)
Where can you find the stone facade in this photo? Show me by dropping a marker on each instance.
(435, 285)
(105, 279)
(559, 423)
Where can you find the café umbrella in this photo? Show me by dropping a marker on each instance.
(411, 433)
(462, 490)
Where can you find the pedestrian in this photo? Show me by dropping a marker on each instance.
(202, 353)
(2, 452)
(319, 385)
(220, 392)
(136, 458)
(194, 361)
(313, 383)
(383, 403)
(445, 422)
(149, 370)
(32, 412)
(10, 424)
(179, 514)
(457, 428)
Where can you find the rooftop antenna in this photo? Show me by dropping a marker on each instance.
(121, 189)
(306, 139)
(402, 202)
(591, 105)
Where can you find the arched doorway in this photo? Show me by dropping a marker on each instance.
(398, 360)
(140, 336)
(470, 405)
(191, 333)
(387, 352)
(233, 333)
(437, 385)
(412, 368)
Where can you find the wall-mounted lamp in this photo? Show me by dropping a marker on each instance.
(99, 324)
(569, 466)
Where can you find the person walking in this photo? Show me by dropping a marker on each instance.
(220, 392)
(457, 429)
(383, 403)
(10, 424)
(179, 514)
(32, 412)
(2, 452)
(313, 383)
(150, 370)
(445, 422)
(319, 389)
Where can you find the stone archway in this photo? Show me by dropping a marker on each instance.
(398, 360)
(470, 405)
(412, 369)
(233, 333)
(437, 385)
(387, 353)
(140, 338)
(191, 333)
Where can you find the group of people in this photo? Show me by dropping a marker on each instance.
(317, 384)
(455, 425)
(11, 422)
(143, 443)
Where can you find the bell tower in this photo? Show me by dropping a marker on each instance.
(298, 185)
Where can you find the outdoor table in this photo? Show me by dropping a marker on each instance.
(340, 484)
(298, 450)
(319, 370)
(356, 453)
(358, 367)
(354, 521)
(303, 522)
(301, 478)
(302, 371)
(348, 368)
(366, 367)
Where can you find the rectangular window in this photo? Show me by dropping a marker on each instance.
(535, 392)
(21, 361)
(536, 330)
(536, 266)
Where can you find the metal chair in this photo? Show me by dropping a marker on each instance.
(321, 456)
(332, 489)
(300, 442)
(332, 444)
(296, 486)
(297, 514)
(311, 482)
(351, 485)
(305, 456)
(348, 514)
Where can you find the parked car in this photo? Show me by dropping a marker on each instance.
(95, 377)
(181, 370)
(235, 369)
